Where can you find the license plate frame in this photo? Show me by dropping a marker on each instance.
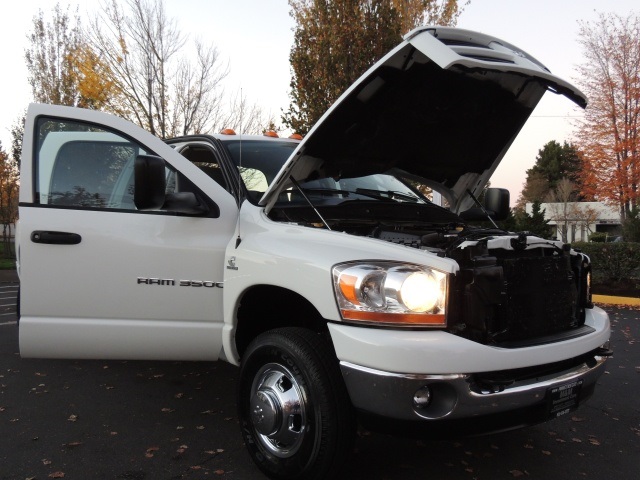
(563, 398)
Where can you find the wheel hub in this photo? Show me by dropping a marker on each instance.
(277, 410)
(265, 412)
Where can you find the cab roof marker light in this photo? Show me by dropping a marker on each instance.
(228, 131)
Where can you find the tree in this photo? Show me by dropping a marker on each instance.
(142, 54)
(158, 85)
(50, 58)
(563, 207)
(560, 203)
(335, 41)
(554, 164)
(8, 199)
(242, 116)
(534, 223)
(608, 134)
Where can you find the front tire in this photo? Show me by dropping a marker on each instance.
(296, 416)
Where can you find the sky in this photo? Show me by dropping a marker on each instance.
(254, 38)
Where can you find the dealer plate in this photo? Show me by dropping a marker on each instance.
(563, 398)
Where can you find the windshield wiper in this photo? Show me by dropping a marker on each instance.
(358, 191)
(390, 194)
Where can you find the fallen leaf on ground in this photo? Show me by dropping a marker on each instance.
(516, 473)
(150, 450)
(72, 418)
(219, 472)
(56, 475)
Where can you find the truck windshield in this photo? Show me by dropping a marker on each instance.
(259, 161)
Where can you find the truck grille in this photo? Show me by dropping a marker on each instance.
(514, 299)
(540, 298)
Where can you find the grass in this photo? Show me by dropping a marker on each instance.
(6, 263)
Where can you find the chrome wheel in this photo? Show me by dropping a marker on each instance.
(277, 409)
(294, 409)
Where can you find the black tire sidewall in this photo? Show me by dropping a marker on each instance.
(312, 381)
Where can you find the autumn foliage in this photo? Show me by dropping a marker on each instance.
(608, 135)
(8, 199)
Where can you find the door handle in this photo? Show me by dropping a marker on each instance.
(55, 238)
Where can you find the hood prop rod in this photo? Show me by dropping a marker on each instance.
(297, 185)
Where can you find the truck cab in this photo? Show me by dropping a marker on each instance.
(343, 273)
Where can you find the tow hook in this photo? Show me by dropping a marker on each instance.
(603, 352)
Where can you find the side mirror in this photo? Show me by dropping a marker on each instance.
(150, 185)
(496, 203)
(150, 182)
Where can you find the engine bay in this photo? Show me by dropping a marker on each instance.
(512, 289)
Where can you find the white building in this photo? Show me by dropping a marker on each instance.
(575, 221)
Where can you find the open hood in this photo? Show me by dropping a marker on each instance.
(444, 105)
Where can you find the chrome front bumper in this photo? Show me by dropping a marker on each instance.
(458, 396)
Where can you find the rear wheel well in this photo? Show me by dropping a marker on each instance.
(266, 307)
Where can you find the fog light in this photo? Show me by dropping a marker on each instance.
(422, 397)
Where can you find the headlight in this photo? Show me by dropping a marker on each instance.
(391, 293)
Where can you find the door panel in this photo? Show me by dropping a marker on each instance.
(136, 284)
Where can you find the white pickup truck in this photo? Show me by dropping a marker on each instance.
(341, 273)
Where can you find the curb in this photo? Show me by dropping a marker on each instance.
(611, 300)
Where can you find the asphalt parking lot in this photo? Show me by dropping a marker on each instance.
(177, 420)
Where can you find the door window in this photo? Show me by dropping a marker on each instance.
(83, 166)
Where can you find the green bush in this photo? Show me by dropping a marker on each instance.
(631, 227)
(600, 237)
(613, 262)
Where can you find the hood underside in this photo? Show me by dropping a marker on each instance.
(445, 109)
